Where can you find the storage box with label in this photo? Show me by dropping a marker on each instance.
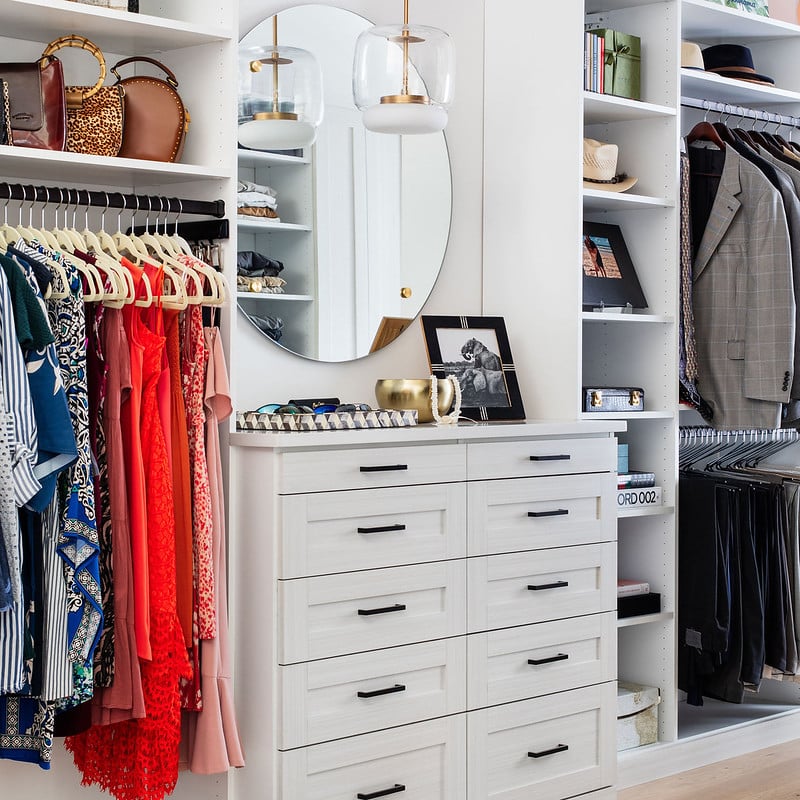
(623, 57)
(637, 715)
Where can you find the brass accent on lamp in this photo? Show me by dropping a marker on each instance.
(279, 108)
(403, 77)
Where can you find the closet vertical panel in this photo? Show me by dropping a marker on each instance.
(641, 349)
(531, 204)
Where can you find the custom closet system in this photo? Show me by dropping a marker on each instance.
(113, 615)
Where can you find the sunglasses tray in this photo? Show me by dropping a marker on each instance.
(335, 421)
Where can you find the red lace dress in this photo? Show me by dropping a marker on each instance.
(138, 759)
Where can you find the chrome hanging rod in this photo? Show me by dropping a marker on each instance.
(131, 202)
(734, 110)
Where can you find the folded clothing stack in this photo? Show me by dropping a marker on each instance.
(257, 200)
(256, 272)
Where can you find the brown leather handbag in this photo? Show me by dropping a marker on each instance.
(36, 103)
(94, 113)
(156, 121)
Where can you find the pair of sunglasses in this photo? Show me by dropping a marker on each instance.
(325, 408)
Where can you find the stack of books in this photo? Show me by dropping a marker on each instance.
(593, 62)
(635, 479)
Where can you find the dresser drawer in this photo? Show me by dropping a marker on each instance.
(519, 663)
(531, 513)
(336, 697)
(427, 759)
(521, 588)
(362, 529)
(353, 612)
(540, 457)
(549, 748)
(371, 467)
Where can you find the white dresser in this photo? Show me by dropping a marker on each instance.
(425, 613)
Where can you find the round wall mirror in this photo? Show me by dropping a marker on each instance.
(342, 251)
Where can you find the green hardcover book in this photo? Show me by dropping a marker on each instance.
(622, 68)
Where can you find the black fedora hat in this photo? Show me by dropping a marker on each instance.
(733, 61)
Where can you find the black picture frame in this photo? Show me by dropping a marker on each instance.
(476, 351)
(609, 277)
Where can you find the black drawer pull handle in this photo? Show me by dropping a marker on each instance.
(556, 512)
(537, 587)
(383, 529)
(537, 661)
(542, 753)
(559, 457)
(385, 468)
(398, 787)
(368, 612)
(398, 687)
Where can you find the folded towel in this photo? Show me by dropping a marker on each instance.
(249, 186)
(256, 200)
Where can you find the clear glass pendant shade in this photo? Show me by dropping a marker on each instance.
(403, 77)
(280, 97)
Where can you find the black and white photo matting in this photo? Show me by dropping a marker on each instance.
(477, 352)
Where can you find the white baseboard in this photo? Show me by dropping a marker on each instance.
(660, 760)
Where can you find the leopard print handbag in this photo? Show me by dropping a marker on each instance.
(5, 114)
(94, 113)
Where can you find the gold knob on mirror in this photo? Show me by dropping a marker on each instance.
(405, 292)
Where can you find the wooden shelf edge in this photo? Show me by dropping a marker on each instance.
(648, 511)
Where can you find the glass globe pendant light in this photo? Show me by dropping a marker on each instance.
(403, 77)
(280, 96)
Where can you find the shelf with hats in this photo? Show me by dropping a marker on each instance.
(599, 200)
(710, 86)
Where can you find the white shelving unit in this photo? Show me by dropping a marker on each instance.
(641, 349)
(196, 40)
(291, 241)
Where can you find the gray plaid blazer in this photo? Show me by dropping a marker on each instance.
(744, 302)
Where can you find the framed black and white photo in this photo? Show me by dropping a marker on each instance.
(476, 351)
(609, 278)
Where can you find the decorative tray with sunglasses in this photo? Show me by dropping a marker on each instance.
(326, 414)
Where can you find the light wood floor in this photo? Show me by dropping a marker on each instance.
(771, 774)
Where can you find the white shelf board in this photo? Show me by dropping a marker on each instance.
(113, 31)
(644, 619)
(598, 108)
(268, 296)
(648, 511)
(267, 225)
(627, 319)
(703, 20)
(257, 158)
(50, 165)
(633, 415)
(593, 6)
(715, 715)
(600, 200)
(708, 86)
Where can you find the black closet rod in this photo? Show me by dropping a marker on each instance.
(740, 111)
(131, 202)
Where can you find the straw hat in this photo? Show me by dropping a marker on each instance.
(691, 56)
(600, 167)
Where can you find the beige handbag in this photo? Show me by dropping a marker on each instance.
(94, 113)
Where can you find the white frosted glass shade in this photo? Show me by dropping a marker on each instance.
(404, 118)
(299, 95)
(404, 62)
